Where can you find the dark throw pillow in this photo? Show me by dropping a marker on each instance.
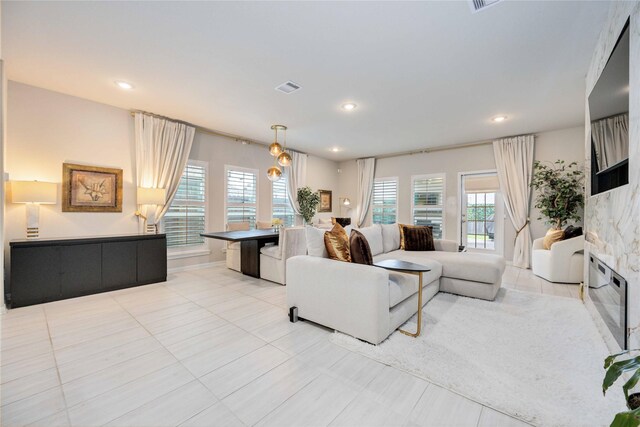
(571, 232)
(360, 250)
(418, 238)
(336, 242)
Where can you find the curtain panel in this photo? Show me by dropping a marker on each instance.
(514, 162)
(162, 152)
(366, 169)
(296, 176)
(611, 140)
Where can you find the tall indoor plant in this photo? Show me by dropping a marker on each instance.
(308, 201)
(560, 191)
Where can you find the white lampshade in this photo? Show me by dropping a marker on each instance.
(346, 202)
(152, 196)
(34, 192)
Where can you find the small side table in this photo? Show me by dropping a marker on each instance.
(408, 268)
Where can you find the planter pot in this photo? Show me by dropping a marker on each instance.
(633, 402)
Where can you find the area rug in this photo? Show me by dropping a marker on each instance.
(536, 357)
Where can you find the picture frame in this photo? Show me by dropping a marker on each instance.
(91, 188)
(326, 201)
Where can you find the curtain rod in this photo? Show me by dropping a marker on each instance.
(443, 148)
(205, 130)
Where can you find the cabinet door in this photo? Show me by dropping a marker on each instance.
(81, 269)
(119, 264)
(35, 275)
(152, 260)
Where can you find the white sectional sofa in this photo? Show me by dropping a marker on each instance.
(369, 302)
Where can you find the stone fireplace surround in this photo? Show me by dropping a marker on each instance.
(612, 219)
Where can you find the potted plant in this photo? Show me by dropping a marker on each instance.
(630, 418)
(560, 191)
(308, 201)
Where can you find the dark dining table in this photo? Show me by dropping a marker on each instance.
(250, 243)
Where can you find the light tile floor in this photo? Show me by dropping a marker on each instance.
(210, 347)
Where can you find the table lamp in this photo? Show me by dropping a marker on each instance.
(34, 193)
(151, 197)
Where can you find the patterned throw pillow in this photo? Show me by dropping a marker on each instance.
(337, 243)
(360, 250)
(418, 238)
(552, 237)
(402, 227)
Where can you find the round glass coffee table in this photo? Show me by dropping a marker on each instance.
(408, 268)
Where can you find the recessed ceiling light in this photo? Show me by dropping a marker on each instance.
(335, 149)
(499, 119)
(124, 85)
(349, 106)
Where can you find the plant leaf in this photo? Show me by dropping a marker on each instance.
(609, 360)
(631, 384)
(616, 369)
(627, 419)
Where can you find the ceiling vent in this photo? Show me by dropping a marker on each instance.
(478, 5)
(288, 87)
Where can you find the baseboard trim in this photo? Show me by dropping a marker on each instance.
(195, 266)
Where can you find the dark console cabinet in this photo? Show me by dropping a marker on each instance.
(52, 269)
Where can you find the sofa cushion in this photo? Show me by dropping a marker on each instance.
(272, 251)
(418, 238)
(456, 265)
(390, 237)
(402, 286)
(315, 242)
(336, 242)
(373, 234)
(360, 250)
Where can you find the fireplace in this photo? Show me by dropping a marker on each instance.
(608, 291)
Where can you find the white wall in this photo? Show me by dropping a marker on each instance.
(564, 144)
(46, 129)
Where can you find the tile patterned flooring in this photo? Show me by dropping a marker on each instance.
(210, 347)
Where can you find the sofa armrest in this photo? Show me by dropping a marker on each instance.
(569, 246)
(445, 245)
(538, 243)
(351, 298)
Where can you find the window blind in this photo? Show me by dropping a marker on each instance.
(280, 206)
(186, 217)
(385, 201)
(241, 196)
(428, 203)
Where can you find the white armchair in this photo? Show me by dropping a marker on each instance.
(233, 248)
(273, 258)
(563, 263)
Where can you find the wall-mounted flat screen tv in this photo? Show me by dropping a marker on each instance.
(609, 116)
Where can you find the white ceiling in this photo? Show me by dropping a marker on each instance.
(422, 73)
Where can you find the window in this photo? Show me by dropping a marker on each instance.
(280, 205)
(241, 195)
(186, 217)
(385, 200)
(427, 194)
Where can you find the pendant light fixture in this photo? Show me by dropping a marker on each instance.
(282, 158)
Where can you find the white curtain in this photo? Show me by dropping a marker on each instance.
(514, 162)
(296, 176)
(366, 169)
(162, 151)
(611, 140)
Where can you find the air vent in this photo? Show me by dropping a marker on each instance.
(288, 87)
(478, 5)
